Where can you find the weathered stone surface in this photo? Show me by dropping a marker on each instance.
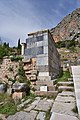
(63, 108)
(48, 93)
(36, 102)
(23, 116)
(37, 98)
(76, 79)
(41, 116)
(65, 88)
(23, 104)
(65, 83)
(57, 116)
(28, 109)
(18, 95)
(8, 69)
(2, 117)
(70, 79)
(44, 105)
(65, 99)
(66, 93)
(68, 28)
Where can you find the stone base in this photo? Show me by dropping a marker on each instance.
(48, 93)
(18, 95)
(57, 116)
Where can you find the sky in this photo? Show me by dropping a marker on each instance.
(20, 17)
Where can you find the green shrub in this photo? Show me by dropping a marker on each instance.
(16, 58)
(65, 76)
(8, 108)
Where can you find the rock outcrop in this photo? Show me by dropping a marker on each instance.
(68, 28)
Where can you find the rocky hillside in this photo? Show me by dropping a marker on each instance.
(68, 28)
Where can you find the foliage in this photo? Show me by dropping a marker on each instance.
(47, 115)
(3, 51)
(19, 47)
(30, 96)
(9, 106)
(12, 80)
(66, 43)
(65, 76)
(16, 58)
(22, 76)
(3, 97)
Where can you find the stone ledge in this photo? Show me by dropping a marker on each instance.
(57, 116)
(48, 93)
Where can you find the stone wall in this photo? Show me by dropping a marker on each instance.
(8, 69)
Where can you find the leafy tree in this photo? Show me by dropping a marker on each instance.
(3, 51)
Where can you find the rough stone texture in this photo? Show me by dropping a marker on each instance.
(57, 116)
(76, 79)
(48, 93)
(70, 79)
(35, 102)
(41, 116)
(65, 83)
(18, 95)
(68, 28)
(65, 99)
(2, 117)
(28, 109)
(63, 108)
(67, 93)
(5, 67)
(23, 104)
(65, 88)
(23, 116)
(44, 105)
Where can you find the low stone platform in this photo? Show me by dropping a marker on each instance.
(66, 88)
(65, 99)
(76, 79)
(33, 111)
(63, 108)
(66, 83)
(44, 105)
(23, 115)
(48, 93)
(67, 93)
(57, 116)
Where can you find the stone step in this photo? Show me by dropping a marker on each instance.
(23, 104)
(52, 88)
(65, 88)
(48, 93)
(57, 116)
(63, 108)
(70, 79)
(65, 83)
(65, 99)
(67, 93)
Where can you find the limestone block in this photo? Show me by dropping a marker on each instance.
(18, 95)
(41, 116)
(43, 88)
(57, 116)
